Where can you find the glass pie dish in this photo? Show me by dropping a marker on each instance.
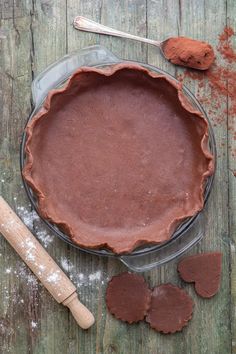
(188, 232)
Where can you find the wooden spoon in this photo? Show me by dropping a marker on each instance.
(178, 50)
(42, 265)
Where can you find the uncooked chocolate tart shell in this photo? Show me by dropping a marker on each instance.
(118, 157)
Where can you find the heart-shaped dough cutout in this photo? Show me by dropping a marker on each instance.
(204, 270)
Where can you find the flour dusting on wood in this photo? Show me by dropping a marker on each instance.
(78, 278)
(34, 223)
(84, 278)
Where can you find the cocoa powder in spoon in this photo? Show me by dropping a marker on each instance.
(189, 52)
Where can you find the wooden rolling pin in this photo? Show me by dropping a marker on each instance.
(42, 265)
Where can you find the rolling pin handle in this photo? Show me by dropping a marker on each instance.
(81, 314)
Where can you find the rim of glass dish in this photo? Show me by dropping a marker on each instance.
(145, 249)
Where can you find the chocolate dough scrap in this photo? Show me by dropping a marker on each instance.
(170, 310)
(128, 297)
(204, 270)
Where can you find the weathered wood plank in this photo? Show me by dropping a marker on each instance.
(15, 81)
(49, 33)
(128, 16)
(205, 22)
(41, 33)
(49, 44)
(10, 9)
(91, 9)
(231, 21)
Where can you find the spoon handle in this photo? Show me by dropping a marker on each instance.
(84, 24)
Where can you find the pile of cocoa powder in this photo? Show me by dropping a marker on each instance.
(221, 79)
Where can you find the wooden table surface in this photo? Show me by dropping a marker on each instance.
(34, 34)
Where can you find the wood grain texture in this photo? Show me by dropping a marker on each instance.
(34, 34)
(49, 43)
(15, 78)
(231, 21)
(201, 21)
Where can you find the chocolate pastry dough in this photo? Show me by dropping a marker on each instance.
(204, 270)
(118, 157)
(128, 297)
(170, 310)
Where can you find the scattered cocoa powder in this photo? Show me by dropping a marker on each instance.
(221, 79)
(226, 34)
(225, 46)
